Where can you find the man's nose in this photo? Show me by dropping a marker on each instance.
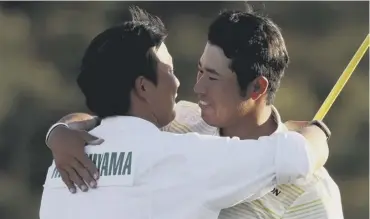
(177, 81)
(199, 87)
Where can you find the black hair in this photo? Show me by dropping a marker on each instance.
(116, 58)
(255, 46)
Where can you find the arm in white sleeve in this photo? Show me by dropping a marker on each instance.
(229, 171)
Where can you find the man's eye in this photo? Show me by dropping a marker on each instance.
(212, 79)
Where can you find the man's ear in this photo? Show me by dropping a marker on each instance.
(143, 87)
(260, 85)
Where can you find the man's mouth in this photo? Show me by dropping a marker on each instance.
(203, 103)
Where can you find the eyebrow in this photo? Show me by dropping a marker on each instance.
(210, 70)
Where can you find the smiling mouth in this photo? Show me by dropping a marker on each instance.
(203, 103)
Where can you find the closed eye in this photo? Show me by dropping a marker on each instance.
(200, 72)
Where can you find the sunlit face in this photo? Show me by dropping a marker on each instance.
(218, 89)
(165, 93)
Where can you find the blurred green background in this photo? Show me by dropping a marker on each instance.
(41, 45)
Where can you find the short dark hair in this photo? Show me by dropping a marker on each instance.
(116, 58)
(255, 46)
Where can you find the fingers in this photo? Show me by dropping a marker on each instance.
(77, 174)
(76, 179)
(85, 125)
(88, 174)
(90, 166)
(95, 142)
(74, 165)
(91, 139)
(67, 181)
(92, 123)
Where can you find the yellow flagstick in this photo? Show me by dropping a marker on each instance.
(342, 80)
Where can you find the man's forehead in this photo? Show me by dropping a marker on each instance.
(163, 55)
(213, 57)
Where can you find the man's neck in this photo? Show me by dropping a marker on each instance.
(140, 110)
(252, 126)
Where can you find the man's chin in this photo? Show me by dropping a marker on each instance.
(173, 116)
(169, 119)
(209, 120)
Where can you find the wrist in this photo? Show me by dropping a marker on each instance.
(52, 130)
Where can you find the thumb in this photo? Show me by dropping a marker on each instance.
(91, 139)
